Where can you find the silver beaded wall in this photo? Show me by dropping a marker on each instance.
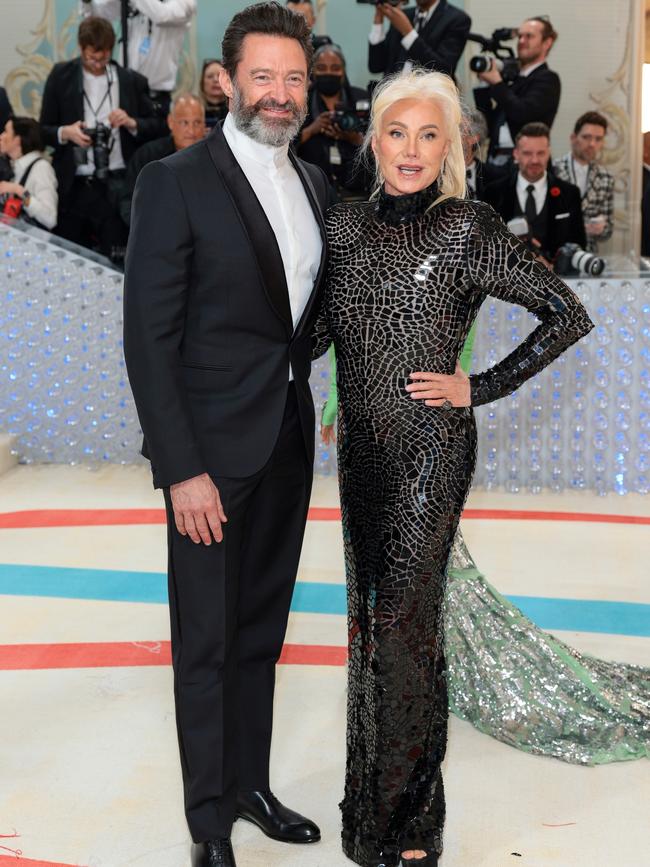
(584, 423)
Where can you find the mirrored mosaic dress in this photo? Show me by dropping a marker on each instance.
(406, 279)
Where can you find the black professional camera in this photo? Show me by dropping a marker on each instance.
(352, 119)
(572, 261)
(503, 56)
(102, 139)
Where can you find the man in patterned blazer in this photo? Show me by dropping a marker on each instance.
(581, 167)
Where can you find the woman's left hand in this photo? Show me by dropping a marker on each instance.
(436, 388)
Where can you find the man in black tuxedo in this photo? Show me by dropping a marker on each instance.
(431, 34)
(6, 111)
(79, 95)
(224, 264)
(533, 96)
(551, 207)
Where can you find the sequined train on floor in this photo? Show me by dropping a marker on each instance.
(518, 683)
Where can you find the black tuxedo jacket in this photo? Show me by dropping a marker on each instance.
(645, 214)
(564, 210)
(63, 104)
(438, 46)
(208, 332)
(530, 98)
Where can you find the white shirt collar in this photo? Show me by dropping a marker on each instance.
(429, 12)
(526, 72)
(243, 145)
(523, 184)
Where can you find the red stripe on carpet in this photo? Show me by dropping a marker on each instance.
(19, 861)
(131, 517)
(120, 654)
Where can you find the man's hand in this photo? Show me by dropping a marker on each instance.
(492, 76)
(436, 388)
(379, 15)
(397, 18)
(118, 117)
(74, 133)
(198, 512)
(595, 226)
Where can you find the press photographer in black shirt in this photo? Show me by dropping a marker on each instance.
(333, 130)
(532, 97)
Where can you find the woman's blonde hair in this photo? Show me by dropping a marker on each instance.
(424, 85)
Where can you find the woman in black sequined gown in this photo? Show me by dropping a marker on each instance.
(408, 273)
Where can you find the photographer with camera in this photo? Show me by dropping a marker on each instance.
(337, 119)
(95, 115)
(532, 95)
(581, 167)
(432, 34)
(155, 33)
(539, 207)
(31, 195)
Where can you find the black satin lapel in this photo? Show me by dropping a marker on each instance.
(318, 214)
(256, 225)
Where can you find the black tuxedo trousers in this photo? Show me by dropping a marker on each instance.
(229, 605)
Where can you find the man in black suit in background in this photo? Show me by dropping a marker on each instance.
(223, 269)
(551, 207)
(533, 96)
(81, 94)
(432, 34)
(6, 111)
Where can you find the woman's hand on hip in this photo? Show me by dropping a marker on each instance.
(437, 388)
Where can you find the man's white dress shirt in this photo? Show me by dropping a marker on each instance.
(539, 192)
(101, 97)
(282, 196)
(377, 34)
(156, 35)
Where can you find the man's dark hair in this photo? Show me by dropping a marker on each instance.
(269, 19)
(533, 130)
(29, 132)
(593, 117)
(299, 2)
(96, 33)
(548, 31)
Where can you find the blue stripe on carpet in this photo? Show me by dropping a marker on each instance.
(574, 615)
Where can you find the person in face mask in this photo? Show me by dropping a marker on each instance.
(325, 139)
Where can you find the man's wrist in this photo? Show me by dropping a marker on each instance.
(409, 39)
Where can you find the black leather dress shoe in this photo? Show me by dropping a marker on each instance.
(213, 853)
(277, 821)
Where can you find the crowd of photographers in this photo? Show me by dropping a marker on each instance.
(103, 121)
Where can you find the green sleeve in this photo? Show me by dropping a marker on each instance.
(466, 353)
(331, 406)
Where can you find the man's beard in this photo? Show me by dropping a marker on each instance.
(275, 132)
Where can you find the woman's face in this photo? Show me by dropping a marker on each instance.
(410, 145)
(10, 143)
(210, 84)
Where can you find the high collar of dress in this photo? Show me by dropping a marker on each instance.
(263, 154)
(397, 210)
